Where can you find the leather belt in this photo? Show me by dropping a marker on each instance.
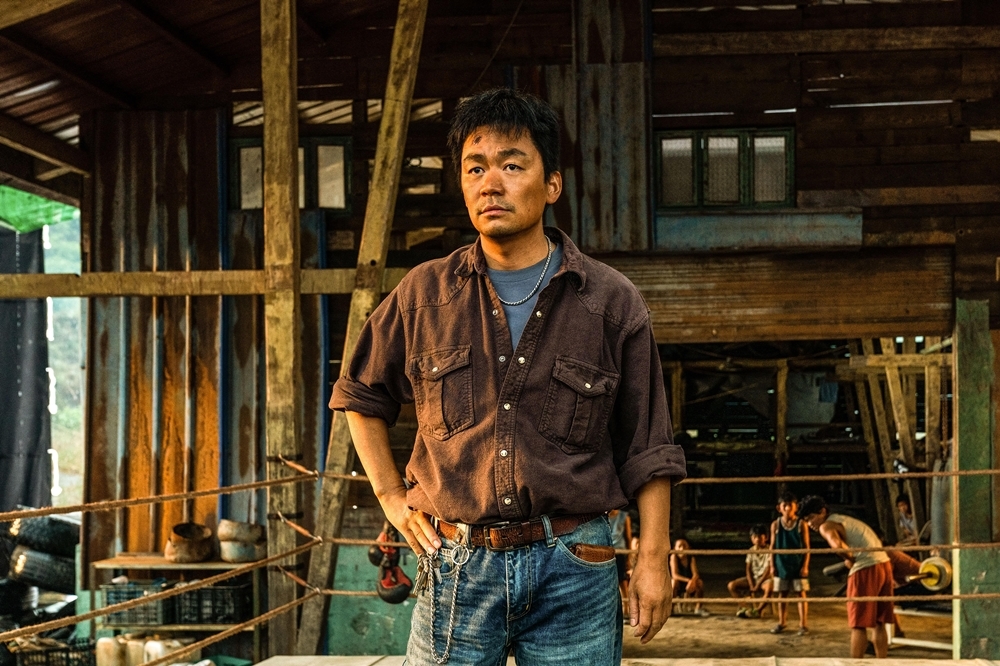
(508, 536)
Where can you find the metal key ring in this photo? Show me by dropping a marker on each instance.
(460, 555)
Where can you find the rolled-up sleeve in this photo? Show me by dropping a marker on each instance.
(641, 432)
(375, 382)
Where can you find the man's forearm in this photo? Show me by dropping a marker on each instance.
(371, 441)
(654, 516)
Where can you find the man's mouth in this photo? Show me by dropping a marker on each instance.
(493, 209)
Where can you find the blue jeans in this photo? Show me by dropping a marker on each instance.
(539, 602)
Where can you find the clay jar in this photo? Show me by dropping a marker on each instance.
(189, 542)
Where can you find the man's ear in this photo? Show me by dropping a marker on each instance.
(553, 186)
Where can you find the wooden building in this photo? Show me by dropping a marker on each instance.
(777, 171)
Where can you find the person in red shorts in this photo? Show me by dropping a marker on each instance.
(870, 575)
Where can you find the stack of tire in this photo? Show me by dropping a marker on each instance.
(36, 554)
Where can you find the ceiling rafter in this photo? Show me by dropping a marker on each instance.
(175, 36)
(27, 139)
(16, 11)
(57, 65)
(307, 24)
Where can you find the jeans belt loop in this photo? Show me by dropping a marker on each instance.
(550, 541)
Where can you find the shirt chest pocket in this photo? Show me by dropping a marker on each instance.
(442, 390)
(577, 405)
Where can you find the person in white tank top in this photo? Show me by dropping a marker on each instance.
(870, 575)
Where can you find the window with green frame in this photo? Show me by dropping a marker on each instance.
(324, 173)
(740, 168)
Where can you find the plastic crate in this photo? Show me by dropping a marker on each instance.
(216, 604)
(77, 653)
(156, 612)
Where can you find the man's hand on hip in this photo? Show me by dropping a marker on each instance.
(413, 526)
(649, 597)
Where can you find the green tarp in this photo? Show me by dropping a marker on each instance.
(27, 212)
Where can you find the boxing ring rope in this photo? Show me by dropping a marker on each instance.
(305, 475)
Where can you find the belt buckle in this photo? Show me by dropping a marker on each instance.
(488, 535)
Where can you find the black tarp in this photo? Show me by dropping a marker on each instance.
(25, 428)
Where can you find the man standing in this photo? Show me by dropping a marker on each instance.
(870, 574)
(540, 407)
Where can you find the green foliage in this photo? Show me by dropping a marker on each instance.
(27, 212)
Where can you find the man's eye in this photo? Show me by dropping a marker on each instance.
(476, 170)
(512, 167)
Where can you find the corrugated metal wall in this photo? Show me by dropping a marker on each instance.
(175, 384)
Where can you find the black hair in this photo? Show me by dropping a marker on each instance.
(810, 505)
(903, 497)
(758, 529)
(787, 497)
(511, 112)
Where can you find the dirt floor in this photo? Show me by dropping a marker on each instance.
(723, 635)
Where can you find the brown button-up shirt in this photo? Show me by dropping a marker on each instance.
(574, 420)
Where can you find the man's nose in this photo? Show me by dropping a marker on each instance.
(492, 183)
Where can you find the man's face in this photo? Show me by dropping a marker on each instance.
(814, 520)
(504, 183)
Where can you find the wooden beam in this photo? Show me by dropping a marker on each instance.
(781, 417)
(932, 410)
(18, 170)
(905, 430)
(826, 41)
(57, 65)
(677, 395)
(282, 325)
(16, 11)
(883, 505)
(139, 283)
(28, 139)
(900, 360)
(175, 37)
(880, 420)
(372, 253)
(178, 283)
(45, 171)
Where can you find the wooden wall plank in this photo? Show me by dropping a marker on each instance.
(775, 297)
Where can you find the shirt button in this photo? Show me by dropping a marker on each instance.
(506, 406)
(506, 500)
(495, 312)
(434, 369)
(503, 453)
(503, 359)
(521, 360)
(587, 385)
(538, 314)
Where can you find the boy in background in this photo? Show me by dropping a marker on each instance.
(790, 573)
(757, 577)
(870, 575)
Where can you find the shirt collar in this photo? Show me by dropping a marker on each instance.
(473, 259)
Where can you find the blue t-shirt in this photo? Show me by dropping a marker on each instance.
(512, 286)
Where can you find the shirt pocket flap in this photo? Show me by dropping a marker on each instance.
(439, 362)
(585, 379)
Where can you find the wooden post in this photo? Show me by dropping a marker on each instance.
(932, 411)
(905, 429)
(367, 293)
(781, 417)
(975, 398)
(909, 383)
(677, 396)
(279, 66)
(886, 517)
(881, 427)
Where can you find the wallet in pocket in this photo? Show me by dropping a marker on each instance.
(591, 553)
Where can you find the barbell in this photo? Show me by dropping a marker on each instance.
(934, 574)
